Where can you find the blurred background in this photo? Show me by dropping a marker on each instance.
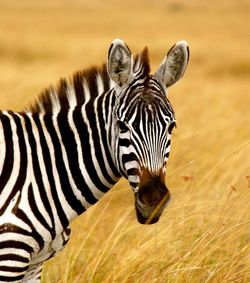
(204, 234)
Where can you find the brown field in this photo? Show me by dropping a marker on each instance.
(204, 234)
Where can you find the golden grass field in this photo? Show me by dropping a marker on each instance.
(204, 234)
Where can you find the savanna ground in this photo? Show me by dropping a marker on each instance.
(204, 234)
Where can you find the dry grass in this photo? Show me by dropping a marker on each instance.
(204, 234)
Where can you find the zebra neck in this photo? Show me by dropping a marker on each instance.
(63, 157)
(85, 148)
(80, 144)
(64, 144)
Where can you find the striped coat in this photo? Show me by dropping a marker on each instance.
(60, 156)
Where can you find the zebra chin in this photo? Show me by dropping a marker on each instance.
(150, 214)
(146, 220)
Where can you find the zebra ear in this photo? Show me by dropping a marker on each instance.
(119, 62)
(174, 64)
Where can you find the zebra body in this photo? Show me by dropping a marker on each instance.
(63, 153)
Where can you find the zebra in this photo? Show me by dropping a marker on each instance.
(66, 150)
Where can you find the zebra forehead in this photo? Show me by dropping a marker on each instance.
(145, 101)
(148, 112)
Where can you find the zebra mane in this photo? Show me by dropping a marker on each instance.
(141, 61)
(73, 91)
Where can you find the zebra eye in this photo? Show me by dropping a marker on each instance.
(122, 126)
(171, 126)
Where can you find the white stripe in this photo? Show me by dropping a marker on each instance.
(150, 161)
(44, 176)
(14, 263)
(21, 238)
(24, 205)
(73, 128)
(75, 190)
(19, 252)
(142, 156)
(97, 193)
(100, 85)
(131, 165)
(71, 95)
(77, 138)
(135, 190)
(125, 135)
(11, 274)
(92, 148)
(109, 170)
(40, 104)
(55, 101)
(24, 201)
(127, 149)
(134, 178)
(70, 213)
(49, 142)
(10, 218)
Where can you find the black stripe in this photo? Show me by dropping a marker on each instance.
(63, 94)
(16, 245)
(13, 268)
(128, 157)
(97, 139)
(167, 153)
(22, 215)
(14, 257)
(11, 279)
(110, 104)
(9, 158)
(45, 101)
(60, 166)
(91, 82)
(39, 181)
(133, 171)
(133, 184)
(70, 145)
(124, 142)
(48, 165)
(87, 157)
(38, 214)
(168, 143)
(78, 86)
(23, 162)
(104, 136)
(8, 227)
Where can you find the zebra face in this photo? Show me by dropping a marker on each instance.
(143, 122)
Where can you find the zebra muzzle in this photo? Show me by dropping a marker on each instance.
(150, 214)
(151, 199)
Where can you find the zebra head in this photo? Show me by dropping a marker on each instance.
(143, 122)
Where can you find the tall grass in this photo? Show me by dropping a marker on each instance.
(199, 239)
(204, 234)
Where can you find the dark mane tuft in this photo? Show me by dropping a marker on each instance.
(142, 61)
(73, 86)
(69, 92)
